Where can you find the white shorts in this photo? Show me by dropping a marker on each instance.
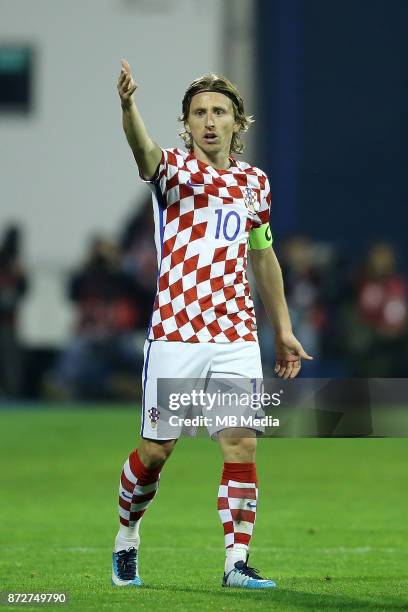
(204, 361)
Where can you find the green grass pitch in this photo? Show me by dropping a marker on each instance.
(331, 527)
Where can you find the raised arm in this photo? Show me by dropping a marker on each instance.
(146, 152)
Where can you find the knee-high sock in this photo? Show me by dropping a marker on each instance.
(137, 487)
(237, 502)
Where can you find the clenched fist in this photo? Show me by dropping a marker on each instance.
(126, 85)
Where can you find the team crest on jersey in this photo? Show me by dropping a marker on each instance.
(154, 416)
(250, 199)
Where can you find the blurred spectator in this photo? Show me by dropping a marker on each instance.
(139, 252)
(13, 287)
(303, 290)
(103, 361)
(375, 317)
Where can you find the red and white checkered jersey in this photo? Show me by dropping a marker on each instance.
(202, 218)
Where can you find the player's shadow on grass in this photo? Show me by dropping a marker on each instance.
(314, 601)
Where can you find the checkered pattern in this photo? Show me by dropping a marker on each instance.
(137, 487)
(237, 503)
(203, 217)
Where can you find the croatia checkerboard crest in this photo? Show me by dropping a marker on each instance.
(250, 199)
(154, 416)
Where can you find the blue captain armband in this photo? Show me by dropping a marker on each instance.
(260, 237)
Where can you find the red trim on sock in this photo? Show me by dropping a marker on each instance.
(241, 472)
(223, 503)
(228, 527)
(126, 484)
(246, 493)
(136, 516)
(141, 499)
(124, 504)
(243, 515)
(242, 538)
(143, 474)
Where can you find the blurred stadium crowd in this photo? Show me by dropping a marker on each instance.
(351, 317)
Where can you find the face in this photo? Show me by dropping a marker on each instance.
(211, 122)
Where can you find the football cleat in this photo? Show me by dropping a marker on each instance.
(245, 577)
(124, 568)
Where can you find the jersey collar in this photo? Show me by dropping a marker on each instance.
(202, 165)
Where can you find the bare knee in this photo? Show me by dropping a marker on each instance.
(238, 449)
(154, 452)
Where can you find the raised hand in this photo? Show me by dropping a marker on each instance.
(126, 84)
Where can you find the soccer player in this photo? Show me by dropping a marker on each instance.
(209, 209)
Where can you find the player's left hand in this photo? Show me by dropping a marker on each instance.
(289, 353)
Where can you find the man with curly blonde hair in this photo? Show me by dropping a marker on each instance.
(210, 210)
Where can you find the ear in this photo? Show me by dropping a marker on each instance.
(187, 127)
(235, 128)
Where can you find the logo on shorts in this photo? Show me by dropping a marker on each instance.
(250, 199)
(154, 416)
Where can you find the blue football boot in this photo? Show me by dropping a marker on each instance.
(124, 568)
(245, 577)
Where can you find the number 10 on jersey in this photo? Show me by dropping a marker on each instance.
(230, 224)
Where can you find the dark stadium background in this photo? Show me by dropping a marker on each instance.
(332, 95)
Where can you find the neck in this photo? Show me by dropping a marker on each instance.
(218, 159)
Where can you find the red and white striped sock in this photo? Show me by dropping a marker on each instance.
(137, 487)
(237, 502)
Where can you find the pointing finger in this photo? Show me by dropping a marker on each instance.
(125, 65)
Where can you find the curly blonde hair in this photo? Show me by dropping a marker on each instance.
(220, 84)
